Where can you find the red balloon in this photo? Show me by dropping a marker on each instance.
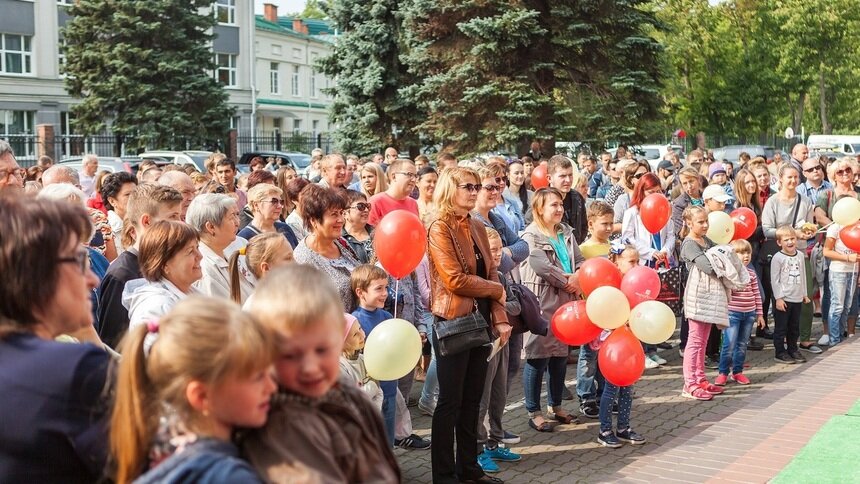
(400, 242)
(655, 211)
(571, 325)
(539, 177)
(640, 284)
(850, 236)
(745, 223)
(621, 358)
(597, 272)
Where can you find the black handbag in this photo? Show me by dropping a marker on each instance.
(465, 332)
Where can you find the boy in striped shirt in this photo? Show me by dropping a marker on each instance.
(744, 310)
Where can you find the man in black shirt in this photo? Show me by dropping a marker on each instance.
(560, 172)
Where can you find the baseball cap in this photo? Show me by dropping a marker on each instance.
(666, 165)
(716, 192)
(716, 168)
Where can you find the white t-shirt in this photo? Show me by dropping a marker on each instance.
(838, 265)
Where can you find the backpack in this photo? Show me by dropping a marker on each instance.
(530, 317)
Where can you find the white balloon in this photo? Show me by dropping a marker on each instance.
(721, 229)
(652, 322)
(392, 350)
(846, 211)
(607, 307)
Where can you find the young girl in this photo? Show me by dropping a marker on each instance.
(162, 377)
(352, 361)
(693, 249)
(606, 437)
(263, 253)
(319, 430)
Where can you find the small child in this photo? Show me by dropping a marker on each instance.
(249, 264)
(606, 437)
(744, 309)
(319, 429)
(352, 361)
(718, 176)
(600, 223)
(198, 400)
(788, 279)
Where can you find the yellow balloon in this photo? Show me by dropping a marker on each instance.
(846, 211)
(652, 322)
(392, 350)
(721, 229)
(607, 307)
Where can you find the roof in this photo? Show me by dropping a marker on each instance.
(319, 30)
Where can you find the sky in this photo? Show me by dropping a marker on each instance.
(284, 6)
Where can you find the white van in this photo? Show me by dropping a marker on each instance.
(848, 144)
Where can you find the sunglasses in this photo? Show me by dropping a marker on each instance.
(846, 171)
(361, 206)
(638, 176)
(275, 201)
(814, 168)
(491, 188)
(82, 259)
(471, 187)
(502, 180)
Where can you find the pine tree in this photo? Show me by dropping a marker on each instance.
(145, 68)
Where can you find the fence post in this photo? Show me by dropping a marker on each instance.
(232, 148)
(45, 140)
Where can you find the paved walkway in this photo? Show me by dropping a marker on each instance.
(748, 434)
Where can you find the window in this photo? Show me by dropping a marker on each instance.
(19, 123)
(313, 79)
(297, 126)
(276, 49)
(274, 80)
(65, 2)
(234, 122)
(316, 127)
(225, 11)
(294, 85)
(226, 71)
(61, 56)
(15, 54)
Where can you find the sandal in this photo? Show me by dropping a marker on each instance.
(697, 393)
(543, 427)
(563, 418)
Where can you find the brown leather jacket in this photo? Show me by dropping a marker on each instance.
(453, 290)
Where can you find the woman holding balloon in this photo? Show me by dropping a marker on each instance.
(549, 272)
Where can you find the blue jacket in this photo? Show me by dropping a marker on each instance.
(368, 321)
(206, 461)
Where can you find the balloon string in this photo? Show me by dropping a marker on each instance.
(396, 292)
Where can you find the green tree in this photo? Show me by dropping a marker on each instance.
(314, 9)
(145, 69)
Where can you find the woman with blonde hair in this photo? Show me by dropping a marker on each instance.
(263, 253)
(371, 180)
(267, 202)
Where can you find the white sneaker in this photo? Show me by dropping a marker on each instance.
(824, 340)
(657, 359)
(650, 364)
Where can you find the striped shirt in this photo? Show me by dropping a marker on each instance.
(747, 299)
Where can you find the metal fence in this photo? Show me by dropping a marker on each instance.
(277, 141)
(25, 146)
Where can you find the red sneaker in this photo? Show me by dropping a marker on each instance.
(712, 389)
(721, 380)
(740, 379)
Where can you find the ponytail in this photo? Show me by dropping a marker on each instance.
(233, 269)
(135, 419)
(688, 217)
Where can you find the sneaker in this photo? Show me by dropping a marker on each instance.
(566, 395)
(413, 442)
(711, 363)
(784, 358)
(510, 438)
(502, 454)
(712, 389)
(721, 380)
(426, 409)
(608, 439)
(650, 364)
(696, 393)
(590, 409)
(740, 379)
(630, 437)
(755, 345)
(657, 359)
(487, 464)
(810, 348)
(824, 340)
(797, 357)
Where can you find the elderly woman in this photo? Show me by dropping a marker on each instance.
(170, 263)
(465, 280)
(215, 217)
(53, 393)
(323, 211)
(356, 230)
(267, 202)
(787, 207)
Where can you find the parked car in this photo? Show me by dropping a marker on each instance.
(732, 152)
(196, 158)
(111, 163)
(847, 144)
(280, 158)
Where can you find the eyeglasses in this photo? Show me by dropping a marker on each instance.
(638, 175)
(471, 187)
(845, 172)
(81, 258)
(408, 174)
(491, 188)
(18, 173)
(501, 180)
(275, 201)
(361, 206)
(814, 168)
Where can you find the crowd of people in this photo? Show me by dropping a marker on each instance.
(176, 326)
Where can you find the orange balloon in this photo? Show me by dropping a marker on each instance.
(571, 325)
(621, 358)
(597, 272)
(400, 242)
(539, 177)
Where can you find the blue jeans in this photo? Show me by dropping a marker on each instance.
(430, 390)
(389, 410)
(625, 404)
(533, 381)
(841, 298)
(586, 372)
(735, 339)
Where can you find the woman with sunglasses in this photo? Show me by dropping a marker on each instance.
(632, 173)
(53, 392)
(357, 232)
(267, 203)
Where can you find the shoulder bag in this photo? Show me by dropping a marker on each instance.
(466, 332)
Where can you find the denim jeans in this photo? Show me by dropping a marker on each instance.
(842, 291)
(735, 339)
(430, 390)
(586, 372)
(625, 404)
(389, 411)
(533, 381)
